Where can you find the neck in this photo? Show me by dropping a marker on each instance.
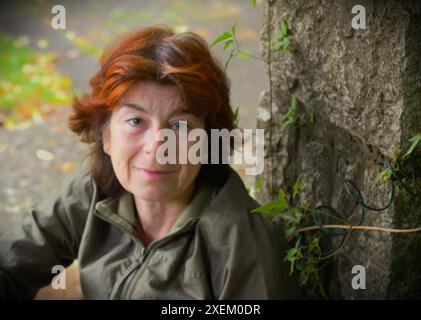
(157, 218)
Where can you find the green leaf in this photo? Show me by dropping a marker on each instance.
(296, 189)
(310, 113)
(280, 41)
(234, 26)
(279, 45)
(282, 198)
(290, 120)
(236, 115)
(283, 27)
(314, 245)
(228, 43)
(265, 208)
(293, 103)
(395, 155)
(383, 176)
(306, 207)
(291, 116)
(273, 208)
(259, 184)
(268, 208)
(289, 230)
(293, 217)
(226, 35)
(253, 3)
(294, 254)
(415, 140)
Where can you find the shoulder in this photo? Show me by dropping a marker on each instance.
(241, 246)
(73, 200)
(229, 217)
(79, 184)
(76, 191)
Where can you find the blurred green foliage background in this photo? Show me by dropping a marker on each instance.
(41, 68)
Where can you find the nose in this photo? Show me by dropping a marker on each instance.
(151, 143)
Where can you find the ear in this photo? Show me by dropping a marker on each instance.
(106, 139)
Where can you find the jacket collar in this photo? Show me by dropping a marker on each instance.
(121, 210)
(232, 196)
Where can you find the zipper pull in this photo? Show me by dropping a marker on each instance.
(142, 255)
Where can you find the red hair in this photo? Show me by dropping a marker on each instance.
(150, 54)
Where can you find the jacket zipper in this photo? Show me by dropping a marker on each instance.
(144, 256)
(141, 259)
(124, 285)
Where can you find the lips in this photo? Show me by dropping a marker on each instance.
(152, 173)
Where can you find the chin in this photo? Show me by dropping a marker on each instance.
(153, 194)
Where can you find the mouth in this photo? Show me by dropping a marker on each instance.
(154, 174)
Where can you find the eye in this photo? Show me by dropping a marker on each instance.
(135, 122)
(177, 125)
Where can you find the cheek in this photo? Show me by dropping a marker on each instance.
(123, 149)
(188, 173)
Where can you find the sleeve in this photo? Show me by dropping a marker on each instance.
(251, 264)
(49, 235)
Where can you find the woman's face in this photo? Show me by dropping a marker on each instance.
(130, 141)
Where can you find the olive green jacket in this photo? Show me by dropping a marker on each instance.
(217, 249)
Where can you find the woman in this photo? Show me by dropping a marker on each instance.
(141, 229)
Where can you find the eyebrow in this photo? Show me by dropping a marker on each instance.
(142, 109)
(134, 106)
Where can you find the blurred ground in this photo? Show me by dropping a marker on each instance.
(35, 158)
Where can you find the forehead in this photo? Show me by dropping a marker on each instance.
(154, 95)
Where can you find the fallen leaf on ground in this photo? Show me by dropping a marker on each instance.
(66, 167)
(44, 155)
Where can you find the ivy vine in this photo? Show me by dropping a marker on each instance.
(308, 255)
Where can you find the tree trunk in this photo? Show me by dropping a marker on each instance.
(364, 87)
